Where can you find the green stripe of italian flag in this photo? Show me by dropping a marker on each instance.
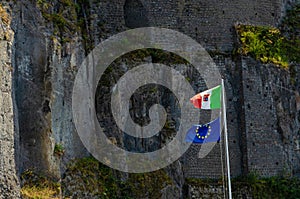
(209, 99)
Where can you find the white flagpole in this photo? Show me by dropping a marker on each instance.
(226, 140)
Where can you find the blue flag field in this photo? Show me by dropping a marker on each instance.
(204, 133)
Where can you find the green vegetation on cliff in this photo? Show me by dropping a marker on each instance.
(273, 45)
(67, 18)
(59, 149)
(88, 178)
(263, 43)
(255, 186)
(269, 187)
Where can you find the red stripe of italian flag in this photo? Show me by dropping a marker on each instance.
(209, 99)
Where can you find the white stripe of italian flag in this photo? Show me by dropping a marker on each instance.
(209, 99)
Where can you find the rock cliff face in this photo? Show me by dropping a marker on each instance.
(43, 43)
(43, 78)
(9, 186)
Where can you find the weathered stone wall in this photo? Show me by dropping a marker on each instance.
(211, 23)
(271, 116)
(216, 191)
(9, 183)
(211, 165)
(214, 30)
(49, 69)
(262, 116)
(262, 120)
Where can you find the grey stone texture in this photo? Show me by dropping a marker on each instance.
(44, 75)
(9, 183)
(271, 119)
(211, 165)
(262, 102)
(216, 191)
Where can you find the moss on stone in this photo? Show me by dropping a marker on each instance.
(256, 186)
(203, 182)
(87, 177)
(65, 16)
(148, 185)
(269, 187)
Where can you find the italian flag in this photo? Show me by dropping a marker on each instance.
(209, 99)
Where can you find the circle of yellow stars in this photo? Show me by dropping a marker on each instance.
(208, 132)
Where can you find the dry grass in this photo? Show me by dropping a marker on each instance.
(34, 192)
(39, 186)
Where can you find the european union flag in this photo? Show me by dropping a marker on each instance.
(204, 133)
